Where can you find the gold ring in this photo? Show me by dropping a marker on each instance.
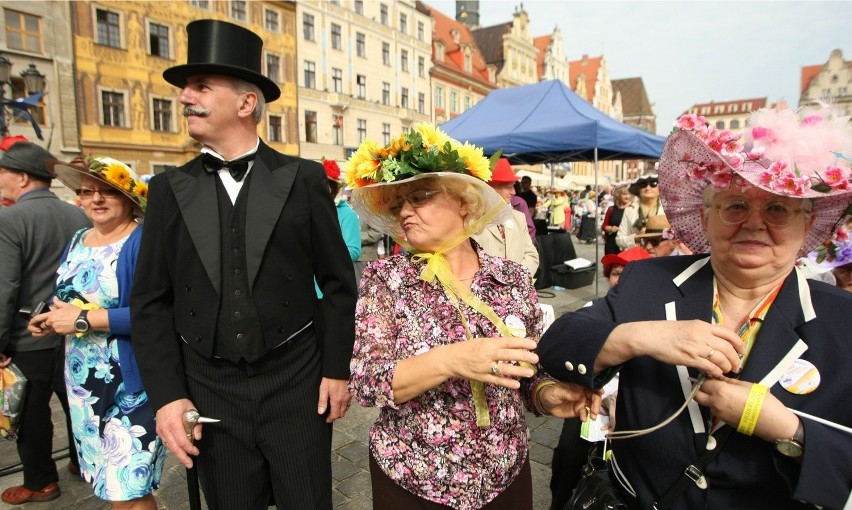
(189, 436)
(495, 369)
(711, 353)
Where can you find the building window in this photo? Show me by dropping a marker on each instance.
(112, 106)
(720, 124)
(310, 75)
(336, 79)
(201, 4)
(403, 60)
(238, 10)
(162, 115)
(439, 97)
(360, 45)
(362, 130)
(384, 14)
(439, 52)
(747, 107)
(403, 23)
(310, 126)
(361, 89)
(735, 124)
(158, 40)
(359, 7)
(273, 67)
(421, 67)
(466, 103)
(841, 91)
(275, 129)
(385, 93)
(705, 110)
(386, 54)
(467, 63)
(23, 32)
(337, 130)
(385, 133)
(403, 97)
(308, 26)
(335, 37)
(421, 102)
(420, 30)
(270, 20)
(454, 98)
(732, 108)
(109, 29)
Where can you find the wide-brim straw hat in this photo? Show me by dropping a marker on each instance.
(655, 226)
(804, 154)
(108, 171)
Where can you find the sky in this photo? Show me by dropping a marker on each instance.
(689, 52)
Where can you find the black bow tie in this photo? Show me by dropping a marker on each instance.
(236, 168)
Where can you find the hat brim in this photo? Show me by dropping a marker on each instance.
(652, 233)
(72, 177)
(683, 195)
(179, 75)
(371, 205)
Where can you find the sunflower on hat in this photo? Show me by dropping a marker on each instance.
(107, 170)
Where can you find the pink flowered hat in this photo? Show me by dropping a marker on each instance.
(799, 154)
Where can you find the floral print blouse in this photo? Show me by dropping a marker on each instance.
(431, 445)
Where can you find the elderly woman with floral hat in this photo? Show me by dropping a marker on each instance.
(113, 424)
(734, 369)
(445, 339)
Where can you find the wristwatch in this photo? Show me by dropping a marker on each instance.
(795, 446)
(81, 324)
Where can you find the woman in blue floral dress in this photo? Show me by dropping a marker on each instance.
(113, 424)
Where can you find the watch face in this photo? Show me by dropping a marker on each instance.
(789, 447)
(81, 325)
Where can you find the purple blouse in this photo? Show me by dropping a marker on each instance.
(430, 445)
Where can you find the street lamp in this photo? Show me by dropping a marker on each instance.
(34, 82)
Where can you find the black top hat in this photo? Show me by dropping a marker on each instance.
(219, 47)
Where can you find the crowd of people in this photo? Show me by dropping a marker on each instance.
(229, 313)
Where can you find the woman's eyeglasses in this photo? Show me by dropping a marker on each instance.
(776, 214)
(105, 192)
(645, 184)
(416, 199)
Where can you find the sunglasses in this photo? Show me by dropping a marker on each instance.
(651, 241)
(106, 193)
(652, 183)
(416, 199)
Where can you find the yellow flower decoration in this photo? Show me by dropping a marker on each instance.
(117, 174)
(432, 136)
(475, 161)
(362, 166)
(141, 189)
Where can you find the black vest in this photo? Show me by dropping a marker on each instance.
(238, 332)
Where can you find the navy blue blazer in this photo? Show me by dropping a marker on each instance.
(748, 472)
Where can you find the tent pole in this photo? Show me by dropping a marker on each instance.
(597, 258)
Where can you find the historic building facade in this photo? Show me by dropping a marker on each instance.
(127, 110)
(831, 81)
(728, 114)
(363, 72)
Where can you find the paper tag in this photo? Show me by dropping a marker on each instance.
(592, 430)
(516, 326)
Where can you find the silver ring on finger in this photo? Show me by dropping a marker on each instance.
(495, 369)
(711, 353)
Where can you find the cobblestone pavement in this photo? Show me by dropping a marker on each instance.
(349, 447)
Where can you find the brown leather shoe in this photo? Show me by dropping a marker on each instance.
(73, 468)
(20, 494)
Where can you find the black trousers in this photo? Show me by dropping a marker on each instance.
(44, 370)
(569, 457)
(270, 444)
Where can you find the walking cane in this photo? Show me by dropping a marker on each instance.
(190, 419)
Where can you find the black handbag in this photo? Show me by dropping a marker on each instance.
(596, 490)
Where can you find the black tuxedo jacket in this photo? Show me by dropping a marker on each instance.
(292, 236)
(748, 473)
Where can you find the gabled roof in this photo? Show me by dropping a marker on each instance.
(541, 45)
(808, 74)
(443, 29)
(587, 67)
(634, 97)
(490, 42)
(755, 104)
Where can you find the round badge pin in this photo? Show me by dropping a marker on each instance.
(801, 378)
(516, 326)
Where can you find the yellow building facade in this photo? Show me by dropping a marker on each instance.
(127, 110)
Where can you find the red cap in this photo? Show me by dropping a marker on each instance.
(503, 172)
(8, 141)
(623, 258)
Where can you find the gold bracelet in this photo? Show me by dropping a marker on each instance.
(754, 403)
(536, 400)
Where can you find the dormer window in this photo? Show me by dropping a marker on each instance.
(439, 52)
(455, 34)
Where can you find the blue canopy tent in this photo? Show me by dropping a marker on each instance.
(548, 123)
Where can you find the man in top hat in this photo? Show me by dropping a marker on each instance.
(33, 235)
(224, 314)
(510, 239)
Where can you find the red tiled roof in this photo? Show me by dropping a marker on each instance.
(588, 68)
(541, 45)
(756, 104)
(808, 74)
(442, 30)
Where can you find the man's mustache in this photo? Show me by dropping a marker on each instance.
(195, 110)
